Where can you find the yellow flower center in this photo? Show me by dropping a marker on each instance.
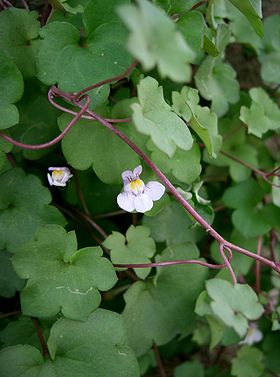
(56, 174)
(136, 185)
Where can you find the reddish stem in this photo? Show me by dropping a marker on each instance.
(56, 139)
(43, 344)
(159, 361)
(227, 263)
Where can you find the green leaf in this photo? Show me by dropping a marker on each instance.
(153, 116)
(247, 8)
(84, 147)
(19, 30)
(21, 331)
(233, 304)
(190, 369)
(9, 281)
(276, 191)
(75, 63)
(136, 247)
(60, 278)
(184, 165)
(192, 26)
(200, 119)
(24, 205)
(96, 347)
(263, 115)
(248, 362)
(11, 90)
(155, 41)
(171, 225)
(99, 12)
(38, 120)
(216, 82)
(247, 193)
(159, 309)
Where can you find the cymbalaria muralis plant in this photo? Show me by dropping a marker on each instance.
(139, 188)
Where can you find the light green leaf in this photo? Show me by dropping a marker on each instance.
(249, 11)
(153, 116)
(276, 191)
(216, 82)
(9, 281)
(184, 165)
(96, 347)
(247, 193)
(263, 115)
(155, 41)
(60, 278)
(24, 205)
(233, 304)
(136, 247)
(89, 144)
(248, 362)
(11, 90)
(19, 30)
(200, 119)
(159, 309)
(190, 369)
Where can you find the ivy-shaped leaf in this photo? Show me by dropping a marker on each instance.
(248, 362)
(135, 247)
(153, 116)
(263, 115)
(171, 225)
(249, 216)
(97, 347)
(200, 119)
(234, 305)
(19, 30)
(24, 205)
(155, 41)
(249, 11)
(11, 90)
(84, 146)
(216, 82)
(74, 61)
(184, 165)
(60, 278)
(159, 309)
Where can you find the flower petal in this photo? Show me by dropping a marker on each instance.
(50, 179)
(137, 171)
(143, 203)
(127, 176)
(154, 190)
(125, 200)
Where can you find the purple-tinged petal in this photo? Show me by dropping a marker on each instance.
(154, 190)
(143, 203)
(125, 201)
(127, 176)
(137, 171)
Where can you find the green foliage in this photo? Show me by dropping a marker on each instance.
(153, 116)
(136, 247)
(188, 95)
(154, 41)
(158, 310)
(248, 363)
(97, 346)
(23, 197)
(60, 278)
(263, 115)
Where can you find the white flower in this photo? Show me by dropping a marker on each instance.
(254, 335)
(136, 195)
(59, 176)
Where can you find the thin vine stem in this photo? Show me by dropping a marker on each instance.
(227, 263)
(43, 344)
(258, 265)
(53, 141)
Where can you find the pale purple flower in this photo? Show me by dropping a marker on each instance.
(59, 176)
(136, 195)
(254, 335)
